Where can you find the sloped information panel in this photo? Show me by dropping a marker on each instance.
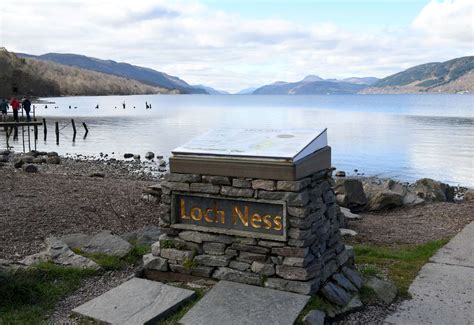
(258, 143)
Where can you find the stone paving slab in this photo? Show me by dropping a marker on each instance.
(442, 294)
(137, 301)
(235, 303)
(459, 250)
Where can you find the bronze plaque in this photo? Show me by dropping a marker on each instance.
(241, 217)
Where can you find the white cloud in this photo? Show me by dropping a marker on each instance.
(447, 21)
(221, 49)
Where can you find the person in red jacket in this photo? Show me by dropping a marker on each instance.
(15, 104)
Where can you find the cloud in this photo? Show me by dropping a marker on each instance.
(226, 50)
(447, 21)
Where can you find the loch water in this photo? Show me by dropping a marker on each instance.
(402, 136)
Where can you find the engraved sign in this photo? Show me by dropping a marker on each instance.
(250, 218)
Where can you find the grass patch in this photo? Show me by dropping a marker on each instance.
(176, 316)
(112, 263)
(316, 302)
(370, 270)
(26, 296)
(402, 263)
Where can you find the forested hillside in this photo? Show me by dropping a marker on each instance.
(23, 76)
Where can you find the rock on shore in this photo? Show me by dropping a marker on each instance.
(372, 193)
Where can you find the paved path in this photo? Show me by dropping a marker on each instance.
(230, 303)
(443, 291)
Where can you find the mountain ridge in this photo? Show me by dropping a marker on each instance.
(24, 76)
(120, 69)
(314, 85)
(452, 76)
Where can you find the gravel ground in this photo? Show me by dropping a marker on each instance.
(90, 288)
(63, 199)
(412, 225)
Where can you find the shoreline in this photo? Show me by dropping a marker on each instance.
(81, 188)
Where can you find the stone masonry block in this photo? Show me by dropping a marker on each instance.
(291, 251)
(293, 186)
(204, 188)
(214, 248)
(241, 183)
(176, 254)
(216, 180)
(189, 178)
(236, 192)
(263, 184)
(175, 186)
(249, 248)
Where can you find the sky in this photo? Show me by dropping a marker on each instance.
(232, 45)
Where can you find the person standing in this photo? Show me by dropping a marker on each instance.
(15, 104)
(27, 107)
(4, 109)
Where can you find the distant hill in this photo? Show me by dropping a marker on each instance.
(246, 91)
(210, 90)
(314, 85)
(20, 76)
(144, 75)
(453, 76)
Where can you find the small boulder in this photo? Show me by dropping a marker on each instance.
(340, 173)
(18, 163)
(349, 215)
(431, 190)
(348, 232)
(352, 276)
(76, 240)
(136, 157)
(53, 160)
(385, 291)
(38, 160)
(335, 294)
(469, 195)
(314, 317)
(152, 262)
(127, 155)
(30, 168)
(107, 243)
(4, 159)
(350, 193)
(162, 163)
(28, 159)
(52, 154)
(384, 200)
(148, 235)
(150, 155)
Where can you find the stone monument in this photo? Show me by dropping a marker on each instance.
(252, 206)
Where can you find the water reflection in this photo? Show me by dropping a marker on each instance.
(405, 136)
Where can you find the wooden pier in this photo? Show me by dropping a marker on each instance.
(12, 127)
(22, 123)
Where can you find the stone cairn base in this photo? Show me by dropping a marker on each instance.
(311, 257)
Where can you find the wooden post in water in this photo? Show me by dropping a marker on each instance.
(85, 128)
(57, 132)
(45, 129)
(29, 138)
(23, 136)
(35, 127)
(7, 134)
(74, 129)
